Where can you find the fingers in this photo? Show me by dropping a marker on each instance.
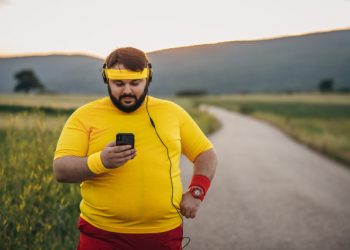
(121, 151)
(115, 156)
(189, 206)
(121, 148)
(189, 213)
(124, 156)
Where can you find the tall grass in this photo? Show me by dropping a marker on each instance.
(52, 101)
(36, 212)
(207, 122)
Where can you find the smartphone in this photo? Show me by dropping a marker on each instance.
(125, 139)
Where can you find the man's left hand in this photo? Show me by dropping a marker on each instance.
(189, 205)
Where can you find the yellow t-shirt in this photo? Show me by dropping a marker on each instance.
(136, 197)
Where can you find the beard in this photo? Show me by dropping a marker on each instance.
(128, 109)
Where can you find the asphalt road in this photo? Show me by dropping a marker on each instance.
(269, 193)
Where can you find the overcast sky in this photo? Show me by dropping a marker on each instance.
(98, 26)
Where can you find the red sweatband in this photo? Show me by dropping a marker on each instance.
(200, 181)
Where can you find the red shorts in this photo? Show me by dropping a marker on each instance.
(92, 238)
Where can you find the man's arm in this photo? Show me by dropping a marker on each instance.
(73, 169)
(205, 164)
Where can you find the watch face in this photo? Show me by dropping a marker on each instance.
(197, 193)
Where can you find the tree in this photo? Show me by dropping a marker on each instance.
(326, 85)
(191, 92)
(27, 81)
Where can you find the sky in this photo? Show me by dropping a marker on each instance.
(96, 27)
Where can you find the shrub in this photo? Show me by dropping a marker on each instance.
(245, 109)
(191, 93)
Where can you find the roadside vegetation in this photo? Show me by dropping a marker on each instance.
(36, 212)
(320, 121)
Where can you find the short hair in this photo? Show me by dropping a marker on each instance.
(132, 58)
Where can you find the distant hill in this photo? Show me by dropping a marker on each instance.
(60, 73)
(285, 64)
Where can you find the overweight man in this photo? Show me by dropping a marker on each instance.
(132, 195)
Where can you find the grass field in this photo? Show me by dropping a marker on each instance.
(52, 101)
(55, 109)
(321, 121)
(36, 212)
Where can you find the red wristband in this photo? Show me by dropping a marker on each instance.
(200, 181)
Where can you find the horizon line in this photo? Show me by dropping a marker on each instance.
(262, 39)
(88, 54)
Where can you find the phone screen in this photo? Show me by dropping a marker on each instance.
(125, 139)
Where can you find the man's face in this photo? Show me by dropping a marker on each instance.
(127, 95)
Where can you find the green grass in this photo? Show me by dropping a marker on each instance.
(291, 110)
(285, 98)
(36, 211)
(5, 108)
(321, 122)
(64, 105)
(205, 121)
(52, 101)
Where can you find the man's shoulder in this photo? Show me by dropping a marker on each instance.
(164, 103)
(100, 103)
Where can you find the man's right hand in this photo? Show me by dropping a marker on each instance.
(115, 156)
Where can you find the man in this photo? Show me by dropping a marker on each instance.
(132, 198)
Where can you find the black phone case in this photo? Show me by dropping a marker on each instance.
(125, 139)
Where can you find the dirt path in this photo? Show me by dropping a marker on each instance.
(270, 193)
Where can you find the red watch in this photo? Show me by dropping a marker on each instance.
(197, 192)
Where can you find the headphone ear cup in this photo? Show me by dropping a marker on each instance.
(150, 74)
(104, 77)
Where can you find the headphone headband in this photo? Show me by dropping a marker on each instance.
(126, 74)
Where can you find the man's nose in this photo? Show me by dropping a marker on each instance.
(127, 89)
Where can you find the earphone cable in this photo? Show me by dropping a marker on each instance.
(171, 179)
